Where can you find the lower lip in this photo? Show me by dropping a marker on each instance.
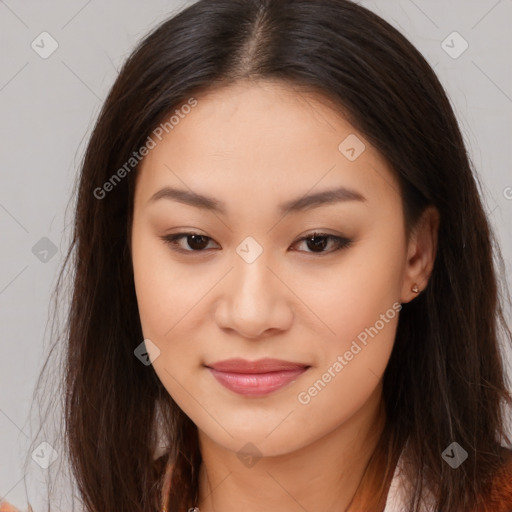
(256, 384)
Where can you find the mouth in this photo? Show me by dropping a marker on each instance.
(256, 378)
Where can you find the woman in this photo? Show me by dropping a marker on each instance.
(335, 346)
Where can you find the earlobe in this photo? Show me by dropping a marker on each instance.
(422, 249)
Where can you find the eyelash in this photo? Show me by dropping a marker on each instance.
(343, 243)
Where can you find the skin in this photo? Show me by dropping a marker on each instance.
(252, 146)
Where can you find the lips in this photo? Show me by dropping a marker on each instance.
(260, 366)
(255, 378)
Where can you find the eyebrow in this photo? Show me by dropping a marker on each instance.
(302, 203)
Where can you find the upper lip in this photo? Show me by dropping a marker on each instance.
(238, 365)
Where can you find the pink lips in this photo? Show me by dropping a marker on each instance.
(255, 378)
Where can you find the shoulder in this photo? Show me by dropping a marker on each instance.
(499, 498)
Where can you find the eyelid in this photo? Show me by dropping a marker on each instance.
(343, 242)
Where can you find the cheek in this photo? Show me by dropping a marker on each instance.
(151, 288)
(353, 295)
(164, 292)
(351, 367)
(169, 302)
(359, 308)
(164, 298)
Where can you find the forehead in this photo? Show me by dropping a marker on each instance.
(263, 141)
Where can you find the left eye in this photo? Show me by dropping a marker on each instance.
(316, 241)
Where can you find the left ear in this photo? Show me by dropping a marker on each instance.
(421, 253)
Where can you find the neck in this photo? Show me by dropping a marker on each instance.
(331, 473)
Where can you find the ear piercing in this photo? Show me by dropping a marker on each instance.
(415, 288)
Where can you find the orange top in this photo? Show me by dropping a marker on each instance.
(166, 487)
(7, 507)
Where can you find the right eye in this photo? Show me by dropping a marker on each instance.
(195, 241)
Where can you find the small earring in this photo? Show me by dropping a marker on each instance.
(415, 288)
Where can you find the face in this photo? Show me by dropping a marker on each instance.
(256, 282)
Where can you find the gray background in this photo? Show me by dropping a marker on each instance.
(48, 107)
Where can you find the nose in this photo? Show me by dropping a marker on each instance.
(255, 300)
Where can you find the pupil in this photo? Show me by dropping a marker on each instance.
(316, 244)
(195, 240)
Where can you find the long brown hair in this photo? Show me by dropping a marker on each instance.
(445, 380)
